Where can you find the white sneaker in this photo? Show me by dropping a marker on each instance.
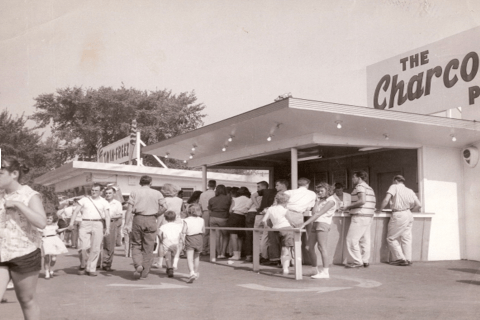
(47, 275)
(51, 273)
(320, 275)
(285, 272)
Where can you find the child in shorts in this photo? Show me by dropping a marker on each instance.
(193, 230)
(170, 239)
(52, 245)
(277, 214)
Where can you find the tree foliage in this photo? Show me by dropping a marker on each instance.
(80, 116)
(17, 140)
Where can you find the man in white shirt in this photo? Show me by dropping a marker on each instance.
(109, 240)
(94, 210)
(203, 201)
(300, 203)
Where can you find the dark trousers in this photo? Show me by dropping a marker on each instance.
(109, 243)
(144, 229)
(249, 223)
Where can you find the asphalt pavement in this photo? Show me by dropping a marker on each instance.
(425, 290)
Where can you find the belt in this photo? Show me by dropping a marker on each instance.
(92, 219)
(395, 210)
(114, 219)
(52, 235)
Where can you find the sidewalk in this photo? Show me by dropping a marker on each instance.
(426, 290)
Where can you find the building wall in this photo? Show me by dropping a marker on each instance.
(443, 195)
(472, 211)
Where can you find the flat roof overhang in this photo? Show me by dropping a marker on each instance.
(76, 168)
(305, 124)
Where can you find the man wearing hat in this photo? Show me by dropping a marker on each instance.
(402, 200)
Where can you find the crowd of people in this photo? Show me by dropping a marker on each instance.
(95, 225)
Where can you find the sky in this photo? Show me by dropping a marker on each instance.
(237, 55)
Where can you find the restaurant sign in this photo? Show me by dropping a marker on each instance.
(117, 152)
(437, 77)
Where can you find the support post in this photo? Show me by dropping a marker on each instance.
(204, 178)
(294, 168)
(213, 245)
(298, 256)
(256, 250)
(139, 146)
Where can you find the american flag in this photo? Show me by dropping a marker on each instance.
(133, 132)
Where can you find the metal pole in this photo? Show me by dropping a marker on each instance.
(294, 165)
(204, 178)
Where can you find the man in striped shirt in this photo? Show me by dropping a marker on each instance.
(362, 210)
(402, 200)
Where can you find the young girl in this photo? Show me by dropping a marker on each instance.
(193, 230)
(51, 245)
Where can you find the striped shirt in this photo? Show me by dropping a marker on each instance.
(368, 209)
(402, 199)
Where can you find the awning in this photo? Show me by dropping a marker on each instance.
(307, 124)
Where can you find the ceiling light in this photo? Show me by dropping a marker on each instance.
(453, 137)
(230, 139)
(166, 155)
(191, 156)
(224, 149)
(386, 136)
(339, 124)
(184, 161)
(269, 138)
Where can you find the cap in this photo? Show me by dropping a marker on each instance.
(399, 177)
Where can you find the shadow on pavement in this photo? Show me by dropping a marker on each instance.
(465, 270)
(470, 282)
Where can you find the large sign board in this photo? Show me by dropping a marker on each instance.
(117, 152)
(437, 77)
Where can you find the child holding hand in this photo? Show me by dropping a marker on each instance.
(170, 238)
(52, 245)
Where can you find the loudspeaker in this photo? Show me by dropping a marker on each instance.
(470, 156)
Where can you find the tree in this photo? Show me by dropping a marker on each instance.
(81, 116)
(26, 145)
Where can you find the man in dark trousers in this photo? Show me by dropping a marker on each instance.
(144, 206)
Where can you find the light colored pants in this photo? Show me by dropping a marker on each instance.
(263, 238)
(89, 244)
(358, 239)
(400, 227)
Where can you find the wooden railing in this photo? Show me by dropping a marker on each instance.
(257, 232)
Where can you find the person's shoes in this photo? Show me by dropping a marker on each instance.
(285, 272)
(221, 256)
(192, 278)
(138, 272)
(366, 264)
(4, 300)
(47, 275)
(321, 275)
(409, 262)
(405, 264)
(73, 247)
(51, 273)
(170, 272)
(156, 265)
(263, 260)
(109, 269)
(353, 265)
(145, 273)
(249, 259)
(92, 273)
(81, 271)
(398, 262)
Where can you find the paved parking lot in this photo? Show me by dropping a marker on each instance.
(426, 290)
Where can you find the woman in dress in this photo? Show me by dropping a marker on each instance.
(21, 217)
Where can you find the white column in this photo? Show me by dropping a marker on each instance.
(139, 146)
(294, 165)
(204, 179)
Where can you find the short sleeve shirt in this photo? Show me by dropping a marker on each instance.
(116, 210)
(194, 225)
(146, 201)
(327, 217)
(241, 205)
(170, 233)
(403, 198)
(368, 209)
(301, 199)
(277, 214)
(204, 198)
(93, 209)
(18, 237)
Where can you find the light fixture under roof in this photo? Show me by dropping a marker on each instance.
(339, 124)
(166, 155)
(224, 149)
(230, 139)
(453, 137)
(269, 138)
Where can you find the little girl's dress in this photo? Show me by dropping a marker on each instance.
(51, 243)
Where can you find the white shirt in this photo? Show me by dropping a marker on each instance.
(204, 197)
(347, 200)
(174, 204)
(241, 205)
(90, 212)
(116, 210)
(327, 217)
(301, 200)
(277, 214)
(193, 225)
(170, 233)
